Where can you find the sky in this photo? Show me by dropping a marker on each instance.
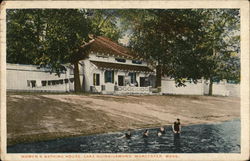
(124, 40)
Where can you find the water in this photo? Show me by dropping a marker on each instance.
(205, 138)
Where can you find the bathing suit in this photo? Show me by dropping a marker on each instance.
(128, 136)
(163, 132)
(177, 127)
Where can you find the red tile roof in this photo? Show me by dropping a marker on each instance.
(104, 45)
(118, 66)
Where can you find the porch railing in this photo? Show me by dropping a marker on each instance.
(132, 90)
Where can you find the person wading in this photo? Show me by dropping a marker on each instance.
(176, 127)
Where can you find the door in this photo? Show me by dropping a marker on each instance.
(120, 80)
(142, 82)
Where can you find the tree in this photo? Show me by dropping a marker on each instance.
(52, 37)
(23, 34)
(220, 45)
(188, 44)
(65, 32)
(47, 37)
(104, 22)
(168, 37)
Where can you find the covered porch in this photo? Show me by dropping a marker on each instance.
(115, 78)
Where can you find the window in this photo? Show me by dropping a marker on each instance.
(44, 83)
(31, 83)
(61, 81)
(120, 80)
(102, 56)
(53, 82)
(120, 60)
(132, 77)
(109, 76)
(136, 62)
(71, 80)
(144, 82)
(96, 79)
(49, 83)
(66, 80)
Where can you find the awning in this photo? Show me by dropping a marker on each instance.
(118, 66)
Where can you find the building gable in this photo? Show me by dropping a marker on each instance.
(105, 46)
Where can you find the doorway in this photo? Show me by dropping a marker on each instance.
(120, 80)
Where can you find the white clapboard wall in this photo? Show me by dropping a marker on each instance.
(32, 78)
(200, 88)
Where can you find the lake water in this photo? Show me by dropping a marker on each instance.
(204, 138)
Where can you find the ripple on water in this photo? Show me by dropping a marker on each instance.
(205, 138)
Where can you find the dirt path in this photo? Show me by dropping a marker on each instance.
(42, 117)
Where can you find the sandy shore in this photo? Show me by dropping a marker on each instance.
(34, 117)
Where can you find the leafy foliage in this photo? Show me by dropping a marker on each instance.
(46, 37)
(188, 43)
(52, 37)
(170, 37)
(105, 22)
(221, 44)
(23, 41)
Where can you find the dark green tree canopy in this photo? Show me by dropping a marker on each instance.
(188, 43)
(53, 36)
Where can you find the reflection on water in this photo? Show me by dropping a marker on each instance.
(177, 143)
(206, 138)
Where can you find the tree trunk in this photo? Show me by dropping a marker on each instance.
(158, 76)
(77, 83)
(210, 92)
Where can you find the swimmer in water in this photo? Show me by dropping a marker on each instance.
(127, 135)
(159, 133)
(176, 127)
(162, 130)
(145, 134)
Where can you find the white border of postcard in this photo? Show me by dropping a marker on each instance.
(244, 11)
